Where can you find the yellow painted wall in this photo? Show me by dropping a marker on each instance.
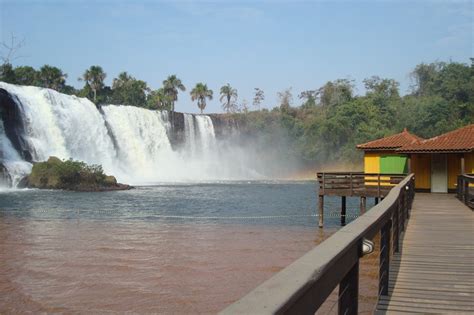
(469, 162)
(454, 169)
(372, 163)
(421, 166)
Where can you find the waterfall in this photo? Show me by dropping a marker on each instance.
(130, 143)
(144, 146)
(190, 134)
(11, 161)
(207, 136)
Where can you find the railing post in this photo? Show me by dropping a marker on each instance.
(396, 226)
(343, 210)
(402, 210)
(349, 292)
(363, 205)
(459, 188)
(350, 174)
(466, 191)
(384, 266)
(378, 185)
(321, 211)
(407, 202)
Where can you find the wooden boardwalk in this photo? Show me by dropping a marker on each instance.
(435, 271)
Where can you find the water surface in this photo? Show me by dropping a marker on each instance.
(181, 248)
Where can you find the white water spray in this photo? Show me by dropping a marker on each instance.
(130, 143)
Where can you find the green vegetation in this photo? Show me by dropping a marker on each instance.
(94, 78)
(71, 175)
(171, 87)
(201, 93)
(228, 98)
(331, 120)
(324, 125)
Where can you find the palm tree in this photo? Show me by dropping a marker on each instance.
(228, 97)
(94, 77)
(158, 99)
(52, 77)
(201, 93)
(172, 85)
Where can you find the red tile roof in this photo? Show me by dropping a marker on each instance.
(391, 142)
(459, 140)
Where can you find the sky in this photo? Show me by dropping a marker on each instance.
(272, 45)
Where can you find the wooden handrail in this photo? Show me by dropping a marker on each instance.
(303, 286)
(357, 184)
(465, 189)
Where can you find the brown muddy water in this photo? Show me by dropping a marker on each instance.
(168, 249)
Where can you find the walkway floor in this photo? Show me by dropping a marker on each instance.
(435, 273)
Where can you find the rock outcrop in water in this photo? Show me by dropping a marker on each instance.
(70, 175)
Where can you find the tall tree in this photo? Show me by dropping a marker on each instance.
(244, 106)
(172, 85)
(387, 88)
(94, 77)
(7, 74)
(336, 92)
(228, 98)
(158, 99)
(201, 93)
(26, 75)
(424, 75)
(258, 98)
(52, 78)
(309, 98)
(129, 91)
(286, 99)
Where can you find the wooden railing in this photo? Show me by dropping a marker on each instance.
(357, 183)
(303, 286)
(465, 189)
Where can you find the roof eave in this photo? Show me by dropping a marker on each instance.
(436, 151)
(380, 149)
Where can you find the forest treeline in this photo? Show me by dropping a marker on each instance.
(321, 125)
(332, 120)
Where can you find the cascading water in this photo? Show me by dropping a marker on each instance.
(11, 161)
(190, 134)
(207, 134)
(144, 146)
(130, 143)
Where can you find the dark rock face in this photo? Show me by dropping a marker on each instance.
(5, 178)
(176, 134)
(109, 130)
(11, 115)
(225, 125)
(23, 183)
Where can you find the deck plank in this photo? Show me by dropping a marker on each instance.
(434, 273)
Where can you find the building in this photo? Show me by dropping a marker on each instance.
(436, 162)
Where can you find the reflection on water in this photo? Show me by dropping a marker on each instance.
(142, 251)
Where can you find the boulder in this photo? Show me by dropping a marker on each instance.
(71, 175)
(23, 183)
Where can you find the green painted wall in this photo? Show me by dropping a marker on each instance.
(393, 164)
